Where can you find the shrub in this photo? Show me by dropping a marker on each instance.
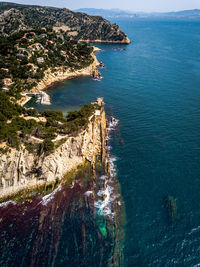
(48, 145)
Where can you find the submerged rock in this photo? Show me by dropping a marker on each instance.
(171, 208)
(65, 228)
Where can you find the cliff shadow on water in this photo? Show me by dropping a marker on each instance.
(78, 224)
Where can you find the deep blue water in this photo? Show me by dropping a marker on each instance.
(153, 87)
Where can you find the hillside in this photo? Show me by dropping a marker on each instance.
(25, 59)
(14, 17)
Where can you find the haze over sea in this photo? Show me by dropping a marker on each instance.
(153, 87)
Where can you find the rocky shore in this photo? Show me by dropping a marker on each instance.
(126, 40)
(86, 207)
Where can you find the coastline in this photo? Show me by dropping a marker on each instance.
(60, 75)
(88, 145)
(124, 41)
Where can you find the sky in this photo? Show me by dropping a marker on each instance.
(131, 5)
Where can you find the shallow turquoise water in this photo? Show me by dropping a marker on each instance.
(153, 87)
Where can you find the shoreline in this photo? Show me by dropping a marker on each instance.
(60, 75)
(74, 151)
(124, 41)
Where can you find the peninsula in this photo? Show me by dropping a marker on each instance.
(38, 148)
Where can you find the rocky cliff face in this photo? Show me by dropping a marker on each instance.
(78, 25)
(20, 170)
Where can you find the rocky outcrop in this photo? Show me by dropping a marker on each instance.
(20, 169)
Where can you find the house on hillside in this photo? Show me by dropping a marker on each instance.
(35, 47)
(4, 69)
(40, 60)
(7, 81)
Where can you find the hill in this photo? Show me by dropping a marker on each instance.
(15, 17)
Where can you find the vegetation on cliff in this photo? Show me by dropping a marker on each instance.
(25, 55)
(37, 129)
(79, 25)
(32, 41)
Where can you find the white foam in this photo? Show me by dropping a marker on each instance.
(107, 199)
(5, 204)
(103, 177)
(113, 124)
(98, 79)
(111, 161)
(46, 199)
(106, 195)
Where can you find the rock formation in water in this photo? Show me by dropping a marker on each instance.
(20, 169)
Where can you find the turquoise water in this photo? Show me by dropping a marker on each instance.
(153, 87)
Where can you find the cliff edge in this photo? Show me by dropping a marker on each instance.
(20, 169)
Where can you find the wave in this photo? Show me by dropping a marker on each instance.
(112, 124)
(108, 195)
(98, 79)
(105, 205)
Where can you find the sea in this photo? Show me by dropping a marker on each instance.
(152, 87)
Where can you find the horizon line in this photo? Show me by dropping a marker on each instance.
(108, 9)
(131, 11)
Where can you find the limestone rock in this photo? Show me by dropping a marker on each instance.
(20, 169)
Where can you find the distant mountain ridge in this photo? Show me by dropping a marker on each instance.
(14, 17)
(106, 12)
(109, 13)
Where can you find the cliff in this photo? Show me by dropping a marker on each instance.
(20, 169)
(15, 17)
